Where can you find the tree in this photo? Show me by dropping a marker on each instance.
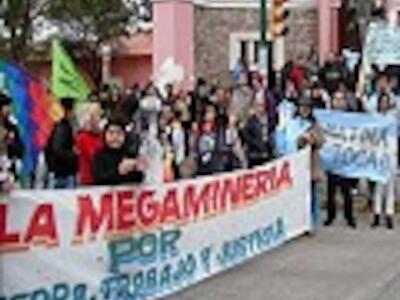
(84, 24)
(88, 24)
(17, 20)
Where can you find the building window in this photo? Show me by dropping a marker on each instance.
(244, 50)
(244, 45)
(256, 49)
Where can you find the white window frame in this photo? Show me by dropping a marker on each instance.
(235, 39)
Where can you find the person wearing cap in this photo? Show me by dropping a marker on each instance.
(113, 164)
(302, 131)
(60, 153)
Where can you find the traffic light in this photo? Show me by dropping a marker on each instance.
(280, 14)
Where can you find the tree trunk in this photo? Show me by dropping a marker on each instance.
(20, 26)
(14, 45)
(26, 30)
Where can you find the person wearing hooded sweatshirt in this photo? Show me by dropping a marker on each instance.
(384, 192)
(112, 164)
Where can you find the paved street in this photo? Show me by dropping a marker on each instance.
(338, 264)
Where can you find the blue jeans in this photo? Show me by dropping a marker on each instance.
(315, 205)
(67, 182)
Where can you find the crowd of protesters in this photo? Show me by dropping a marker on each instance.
(145, 135)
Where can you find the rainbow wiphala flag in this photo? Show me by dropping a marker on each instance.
(34, 108)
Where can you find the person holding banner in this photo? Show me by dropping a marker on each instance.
(256, 135)
(233, 152)
(313, 137)
(113, 164)
(384, 191)
(208, 145)
(382, 87)
(319, 96)
(302, 131)
(336, 181)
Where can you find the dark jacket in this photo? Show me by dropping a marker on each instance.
(12, 144)
(331, 76)
(209, 153)
(105, 168)
(60, 155)
(198, 105)
(318, 103)
(271, 101)
(15, 148)
(258, 143)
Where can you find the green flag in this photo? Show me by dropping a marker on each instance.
(66, 78)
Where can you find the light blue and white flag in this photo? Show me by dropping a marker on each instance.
(287, 137)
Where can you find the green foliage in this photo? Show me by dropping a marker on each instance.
(95, 20)
(17, 18)
(91, 23)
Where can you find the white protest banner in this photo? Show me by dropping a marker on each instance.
(382, 44)
(359, 145)
(146, 242)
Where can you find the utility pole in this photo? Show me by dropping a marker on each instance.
(264, 47)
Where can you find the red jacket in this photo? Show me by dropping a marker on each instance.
(298, 76)
(87, 144)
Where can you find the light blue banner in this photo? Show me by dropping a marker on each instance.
(359, 145)
(382, 44)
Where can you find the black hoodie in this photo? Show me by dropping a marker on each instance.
(105, 168)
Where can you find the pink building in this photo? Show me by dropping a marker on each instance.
(131, 60)
(206, 38)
